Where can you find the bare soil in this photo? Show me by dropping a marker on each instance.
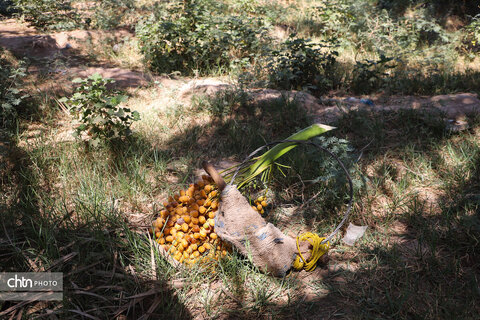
(63, 55)
(456, 107)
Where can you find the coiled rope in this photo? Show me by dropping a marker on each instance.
(318, 249)
(320, 245)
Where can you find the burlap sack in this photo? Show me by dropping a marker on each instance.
(237, 223)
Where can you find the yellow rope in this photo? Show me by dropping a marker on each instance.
(318, 250)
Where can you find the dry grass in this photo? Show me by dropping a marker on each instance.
(85, 211)
(117, 189)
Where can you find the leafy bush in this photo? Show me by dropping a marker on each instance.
(437, 8)
(368, 75)
(353, 23)
(300, 64)
(6, 7)
(52, 14)
(99, 109)
(11, 94)
(48, 14)
(366, 27)
(419, 30)
(335, 17)
(471, 39)
(193, 38)
(110, 13)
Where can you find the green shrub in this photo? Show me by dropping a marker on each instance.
(194, 38)
(11, 94)
(363, 26)
(335, 17)
(110, 14)
(52, 14)
(302, 65)
(48, 14)
(471, 38)
(419, 30)
(99, 109)
(368, 75)
(6, 7)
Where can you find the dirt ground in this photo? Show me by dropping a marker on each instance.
(68, 47)
(456, 107)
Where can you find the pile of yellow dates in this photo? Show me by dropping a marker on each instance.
(185, 227)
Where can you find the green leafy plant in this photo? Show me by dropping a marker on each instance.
(368, 75)
(335, 17)
(48, 14)
(6, 7)
(11, 94)
(419, 31)
(262, 165)
(301, 64)
(194, 38)
(110, 14)
(99, 110)
(471, 39)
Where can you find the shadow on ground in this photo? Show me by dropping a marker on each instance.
(98, 282)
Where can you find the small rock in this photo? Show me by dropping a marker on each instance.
(117, 47)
